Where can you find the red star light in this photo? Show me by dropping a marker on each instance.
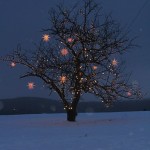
(31, 85)
(64, 52)
(94, 67)
(70, 40)
(129, 93)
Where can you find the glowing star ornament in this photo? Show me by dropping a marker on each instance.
(46, 37)
(70, 40)
(64, 52)
(31, 85)
(63, 79)
(94, 67)
(114, 62)
(13, 64)
(129, 93)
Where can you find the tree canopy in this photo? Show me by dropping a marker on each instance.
(80, 53)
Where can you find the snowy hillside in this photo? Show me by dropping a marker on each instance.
(97, 131)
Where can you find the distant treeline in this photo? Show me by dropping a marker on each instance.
(29, 105)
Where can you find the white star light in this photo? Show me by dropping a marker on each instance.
(13, 64)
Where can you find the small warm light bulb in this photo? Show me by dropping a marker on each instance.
(31, 85)
(46, 37)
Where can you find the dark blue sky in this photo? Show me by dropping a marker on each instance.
(22, 21)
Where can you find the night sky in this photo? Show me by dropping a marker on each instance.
(22, 22)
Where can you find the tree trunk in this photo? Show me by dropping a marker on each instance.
(71, 115)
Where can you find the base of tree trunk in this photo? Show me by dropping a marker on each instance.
(71, 115)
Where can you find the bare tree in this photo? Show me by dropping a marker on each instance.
(80, 53)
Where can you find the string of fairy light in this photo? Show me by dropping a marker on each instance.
(65, 52)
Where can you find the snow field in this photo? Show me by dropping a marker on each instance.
(93, 131)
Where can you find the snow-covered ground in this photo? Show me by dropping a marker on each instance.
(97, 131)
